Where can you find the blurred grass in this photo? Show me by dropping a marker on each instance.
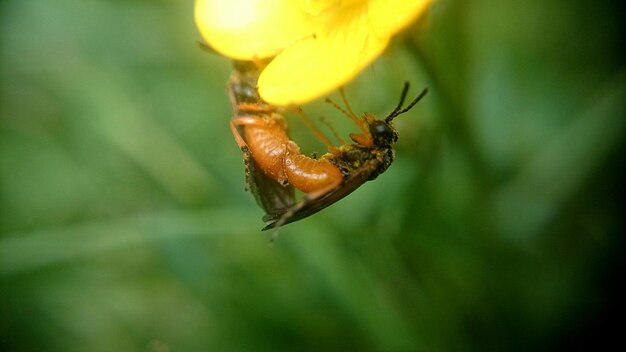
(124, 224)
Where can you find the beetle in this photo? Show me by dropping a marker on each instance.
(270, 194)
(275, 164)
(367, 158)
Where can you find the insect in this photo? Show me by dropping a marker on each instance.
(270, 194)
(261, 133)
(370, 155)
(275, 164)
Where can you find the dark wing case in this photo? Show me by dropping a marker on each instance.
(307, 207)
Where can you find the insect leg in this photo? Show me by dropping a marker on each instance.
(333, 130)
(363, 138)
(317, 133)
(243, 121)
(247, 157)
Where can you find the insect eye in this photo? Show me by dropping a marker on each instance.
(382, 133)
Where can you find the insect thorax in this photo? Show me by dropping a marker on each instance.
(362, 160)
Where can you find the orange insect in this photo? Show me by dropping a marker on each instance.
(275, 164)
(263, 134)
(363, 161)
(271, 195)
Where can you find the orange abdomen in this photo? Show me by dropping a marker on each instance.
(268, 146)
(281, 159)
(310, 175)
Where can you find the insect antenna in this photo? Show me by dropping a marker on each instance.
(398, 110)
(405, 90)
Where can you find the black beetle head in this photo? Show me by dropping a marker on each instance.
(382, 133)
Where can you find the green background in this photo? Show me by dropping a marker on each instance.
(124, 224)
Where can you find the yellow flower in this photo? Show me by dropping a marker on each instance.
(319, 44)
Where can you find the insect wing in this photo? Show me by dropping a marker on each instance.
(307, 207)
(269, 194)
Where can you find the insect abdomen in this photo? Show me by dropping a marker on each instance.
(268, 145)
(310, 175)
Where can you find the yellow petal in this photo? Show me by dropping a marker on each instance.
(315, 7)
(388, 17)
(247, 29)
(313, 67)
